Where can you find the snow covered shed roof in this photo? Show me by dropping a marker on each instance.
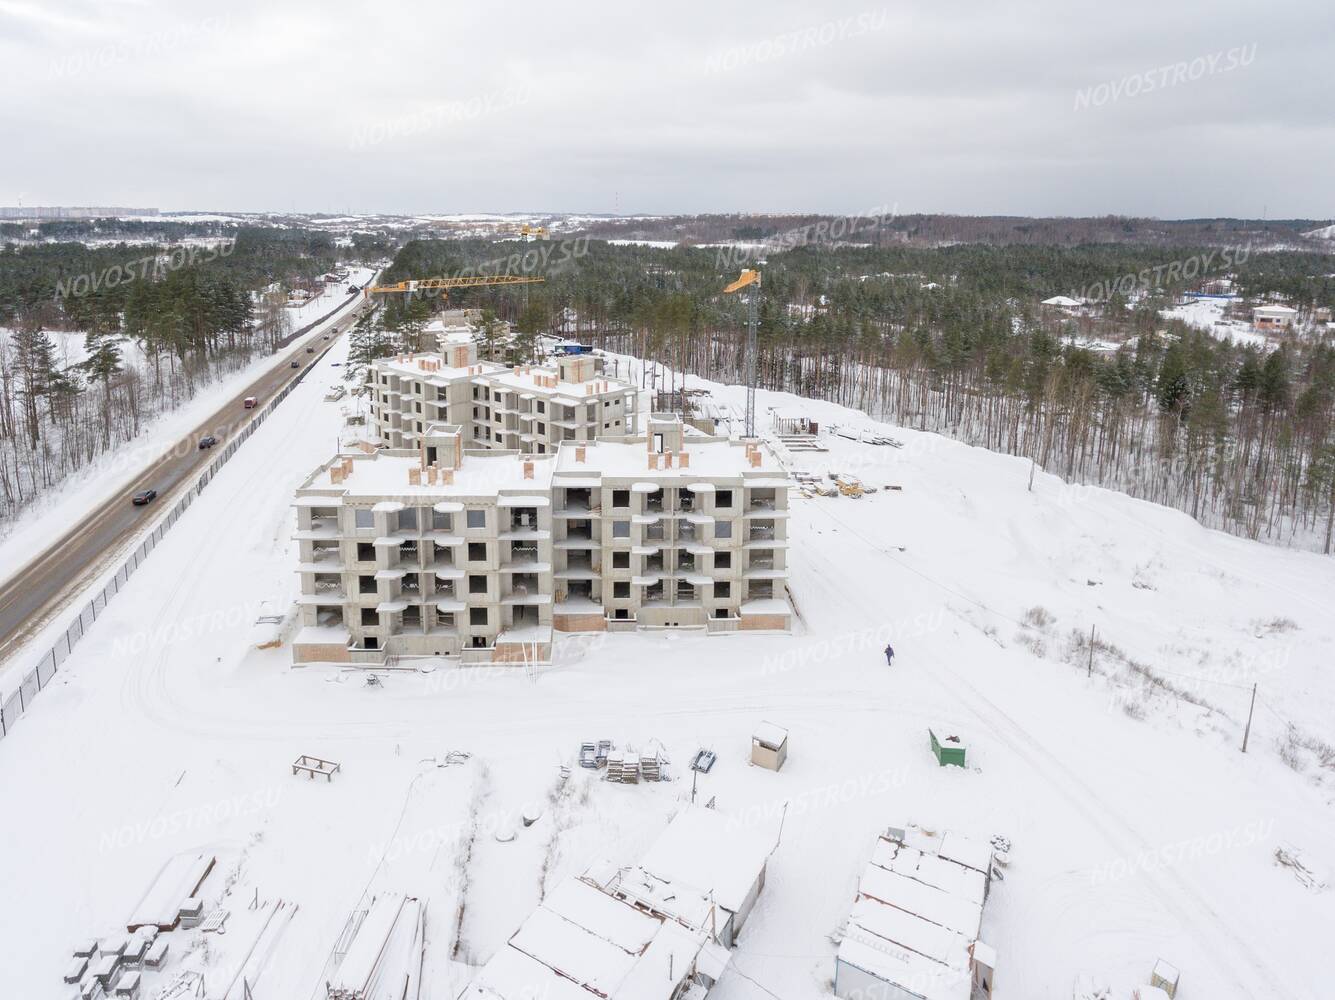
(711, 854)
(768, 735)
(581, 941)
(918, 911)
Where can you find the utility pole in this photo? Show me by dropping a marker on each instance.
(1091, 652)
(1248, 731)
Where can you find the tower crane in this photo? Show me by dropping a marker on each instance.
(749, 277)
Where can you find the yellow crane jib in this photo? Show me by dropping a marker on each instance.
(747, 277)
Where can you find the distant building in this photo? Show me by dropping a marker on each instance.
(1063, 303)
(1271, 318)
(524, 408)
(914, 928)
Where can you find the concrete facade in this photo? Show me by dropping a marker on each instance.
(483, 553)
(525, 408)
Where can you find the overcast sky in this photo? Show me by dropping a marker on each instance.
(1056, 107)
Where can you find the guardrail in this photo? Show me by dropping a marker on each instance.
(44, 670)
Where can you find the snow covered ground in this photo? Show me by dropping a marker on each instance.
(1139, 829)
(1208, 315)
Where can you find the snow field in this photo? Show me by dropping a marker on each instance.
(1135, 836)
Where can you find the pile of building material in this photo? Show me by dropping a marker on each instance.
(176, 884)
(382, 959)
(651, 768)
(594, 755)
(864, 436)
(801, 442)
(623, 766)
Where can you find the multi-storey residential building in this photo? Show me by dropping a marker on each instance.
(672, 529)
(484, 553)
(525, 408)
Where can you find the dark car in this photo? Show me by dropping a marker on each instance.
(208, 441)
(310, 350)
(295, 364)
(144, 497)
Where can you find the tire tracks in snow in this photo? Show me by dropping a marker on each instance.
(1257, 979)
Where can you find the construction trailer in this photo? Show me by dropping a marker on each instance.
(947, 749)
(916, 919)
(710, 853)
(769, 746)
(659, 930)
(619, 939)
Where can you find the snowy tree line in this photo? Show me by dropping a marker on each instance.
(953, 340)
(145, 345)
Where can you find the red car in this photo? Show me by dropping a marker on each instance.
(250, 402)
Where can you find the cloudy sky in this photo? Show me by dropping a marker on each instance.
(1050, 107)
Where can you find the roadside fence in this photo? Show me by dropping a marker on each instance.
(44, 670)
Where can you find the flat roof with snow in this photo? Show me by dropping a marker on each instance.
(709, 459)
(919, 909)
(708, 852)
(582, 941)
(382, 475)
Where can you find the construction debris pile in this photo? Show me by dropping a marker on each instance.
(624, 766)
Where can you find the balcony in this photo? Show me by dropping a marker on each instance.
(578, 538)
(579, 566)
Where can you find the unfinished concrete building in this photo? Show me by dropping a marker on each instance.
(673, 529)
(446, 550)
(524, 408)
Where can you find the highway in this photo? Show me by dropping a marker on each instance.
(33, 594)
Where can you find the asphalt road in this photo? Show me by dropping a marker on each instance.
(35, 592)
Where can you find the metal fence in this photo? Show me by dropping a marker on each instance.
(44, 671)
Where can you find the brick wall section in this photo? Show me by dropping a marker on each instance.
(521, 652)
(310, 652)
(777, 623)
(592, 622)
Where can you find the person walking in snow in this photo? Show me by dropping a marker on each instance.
(889, 655)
